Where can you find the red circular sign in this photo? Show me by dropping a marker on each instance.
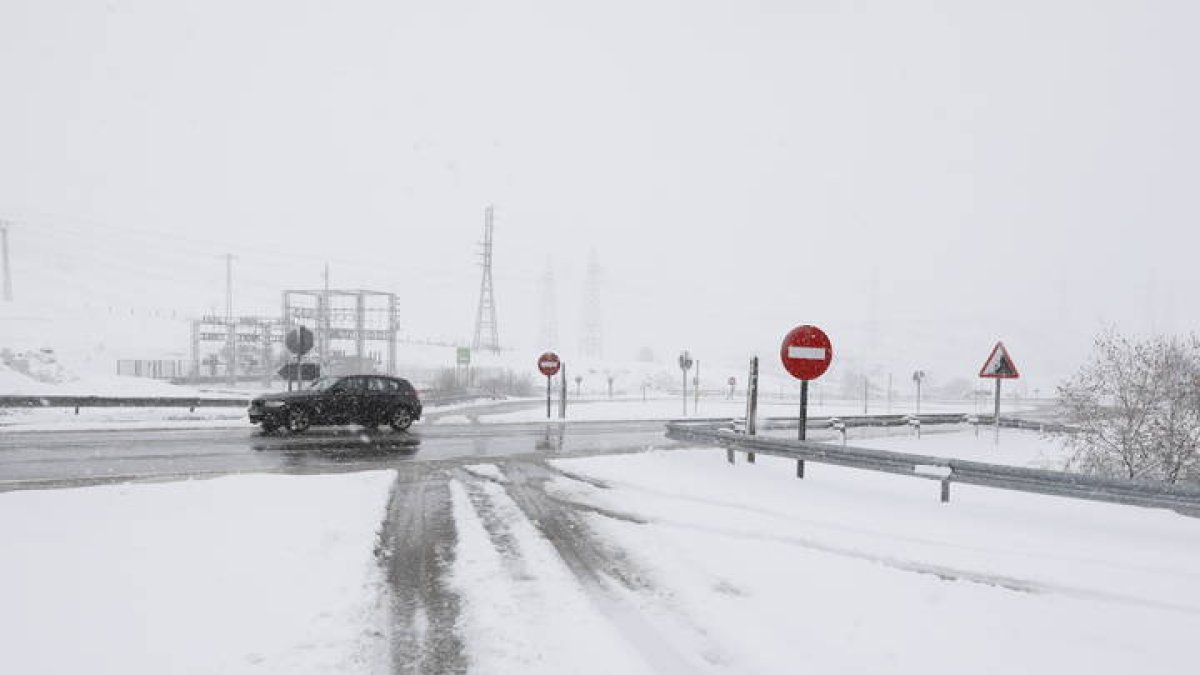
(549, 364)
(806, 352)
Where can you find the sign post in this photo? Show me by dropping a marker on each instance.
(806, 353)
(299, 341)
(752, 399)
(999, 366)
(685, 364)
(918, 375)
(549, 365)
(562, 392)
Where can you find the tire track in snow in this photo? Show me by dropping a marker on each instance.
(416, 548)
(607, 574)
(943, 572)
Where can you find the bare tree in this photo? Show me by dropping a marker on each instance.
(1135, 406)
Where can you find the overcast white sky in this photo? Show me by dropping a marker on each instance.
(1022, 170)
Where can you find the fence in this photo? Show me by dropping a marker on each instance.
(156, 369)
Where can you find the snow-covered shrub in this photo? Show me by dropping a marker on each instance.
(1136, 407)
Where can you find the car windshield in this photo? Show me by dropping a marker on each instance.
(323, 384)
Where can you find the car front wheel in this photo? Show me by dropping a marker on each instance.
(402, 419)
(298, 421)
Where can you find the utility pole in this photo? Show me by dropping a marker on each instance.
(230, 326)
(8, 296)
(323, 325)
(889, 396)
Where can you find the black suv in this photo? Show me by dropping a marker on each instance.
(369, 400)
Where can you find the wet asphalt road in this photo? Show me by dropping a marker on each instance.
(37, 460)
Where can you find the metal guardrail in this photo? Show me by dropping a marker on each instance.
(118, 402)
(856, 420)
(1182, 498)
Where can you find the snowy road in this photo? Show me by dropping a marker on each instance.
(559, 597)
(565, 558)
(72, 458)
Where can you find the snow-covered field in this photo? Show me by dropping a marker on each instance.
(854, 572)
(244, 574)
(95, 419)
(1014, 447)
(711, 568)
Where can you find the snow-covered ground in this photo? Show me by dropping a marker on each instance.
(854, 572)
(1014, 447)
(244, 574)
(706, 567)
(93, 419)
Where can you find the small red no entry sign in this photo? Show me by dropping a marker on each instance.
(806, 352)
(549, 364)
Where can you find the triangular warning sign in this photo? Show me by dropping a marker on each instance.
(999, 364)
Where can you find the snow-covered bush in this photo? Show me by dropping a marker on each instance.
(1136, 408)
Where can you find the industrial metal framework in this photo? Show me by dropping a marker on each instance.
(258, 331)
(344, 324)
(338, 317)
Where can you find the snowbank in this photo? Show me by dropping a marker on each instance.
(261, 574)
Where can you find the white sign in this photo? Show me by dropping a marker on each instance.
(807, 353)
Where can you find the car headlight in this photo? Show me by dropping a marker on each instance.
(273, 404)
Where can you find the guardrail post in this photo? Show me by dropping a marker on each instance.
(799, 468)
(945, 490)
(729, 456)
(76, 409)
(839, 426)
(750, 457)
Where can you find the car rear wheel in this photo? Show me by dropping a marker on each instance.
(402, 418)
(269, 427)
(298, 421)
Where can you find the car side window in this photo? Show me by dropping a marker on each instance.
(375, 384)
(352, 385)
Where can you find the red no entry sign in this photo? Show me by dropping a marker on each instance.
(806, 352)
(549, 364)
